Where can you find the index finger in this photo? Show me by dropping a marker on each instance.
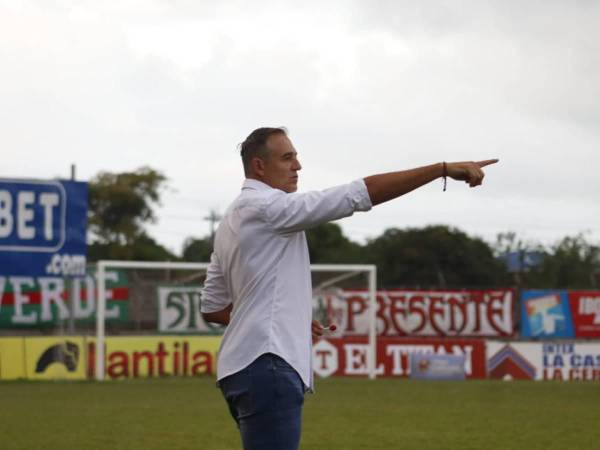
(487, 162)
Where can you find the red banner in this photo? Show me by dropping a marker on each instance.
(348, 356)
(585, 311)
(472, 313)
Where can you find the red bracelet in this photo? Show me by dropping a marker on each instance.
(444, 174)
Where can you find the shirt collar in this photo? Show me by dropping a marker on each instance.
(256, 185)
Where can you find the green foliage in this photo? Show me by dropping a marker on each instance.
(120, 204)
(434, 256)
(197, 250)
(572, 263)
(143, 248)
(327, 244)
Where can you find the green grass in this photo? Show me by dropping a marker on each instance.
(184, 413)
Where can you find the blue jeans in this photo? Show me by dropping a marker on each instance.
(266, 399)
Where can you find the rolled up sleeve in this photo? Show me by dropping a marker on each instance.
(296, 212)
(215, 296)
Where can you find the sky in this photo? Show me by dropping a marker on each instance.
(363, 87)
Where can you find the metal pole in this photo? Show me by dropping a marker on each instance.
(372, 323)
(100, 312)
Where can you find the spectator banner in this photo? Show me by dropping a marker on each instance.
(415, 313)
(29, 301)
(585, 310)
(179, 311)
(543, 361)
(42, 228)
(348, 356)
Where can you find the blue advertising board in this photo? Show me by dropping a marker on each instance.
(43, 227)
(546, 313)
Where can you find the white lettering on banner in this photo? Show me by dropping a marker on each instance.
(398, 351)
(590, 305)
(6, 218)
(423, 313)
(356, 359)
(52, 289)
(325, 358)
(49, 200)
(25, 213)
(52, 292)
(21, 299)
(111, 312)
(66, 265)
(83, 309)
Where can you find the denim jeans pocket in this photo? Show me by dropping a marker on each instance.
(237, 390)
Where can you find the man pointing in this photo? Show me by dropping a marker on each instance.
(259, 285)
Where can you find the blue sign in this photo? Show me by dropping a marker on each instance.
(546, 313)
(43, 227)
(430, 366)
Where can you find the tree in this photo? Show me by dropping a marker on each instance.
(197, 250)
(120, 205)
(434, 256)
(327, 244)
(572, 263)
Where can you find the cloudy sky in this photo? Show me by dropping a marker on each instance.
(363, 86)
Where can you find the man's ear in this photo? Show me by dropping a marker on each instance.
(258, 166)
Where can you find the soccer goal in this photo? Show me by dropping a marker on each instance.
(137, 298)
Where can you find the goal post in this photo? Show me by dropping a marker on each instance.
(324, 276)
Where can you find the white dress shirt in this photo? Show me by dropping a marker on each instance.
(260, 264)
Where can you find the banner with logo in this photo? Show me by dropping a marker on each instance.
(560, 314)
(563, 361)
(49, 358)
(348, 356)
(74, 357)
(43, 227)
(49, 301)
(152, 356)
(585, 311)
(415, 313)
(179, 311)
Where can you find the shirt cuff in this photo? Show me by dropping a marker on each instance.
(359, 195)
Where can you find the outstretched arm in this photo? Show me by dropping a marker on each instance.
(387, 186)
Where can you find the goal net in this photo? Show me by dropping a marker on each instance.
(163, 298)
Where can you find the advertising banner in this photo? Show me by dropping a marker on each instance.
(348, 356)
(45, 301)
(562, 361)
(415, 313)
(42, 228)
(74, 357)
(546, 314)
(151, 356)
(12, 358)
(179, 311)
(585, 310)
(49, 358)
(437, 367)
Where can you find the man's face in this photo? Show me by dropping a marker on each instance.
(281, 166)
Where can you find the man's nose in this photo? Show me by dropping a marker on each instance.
(297, 165)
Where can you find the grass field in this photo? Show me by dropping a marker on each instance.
(184, 413)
